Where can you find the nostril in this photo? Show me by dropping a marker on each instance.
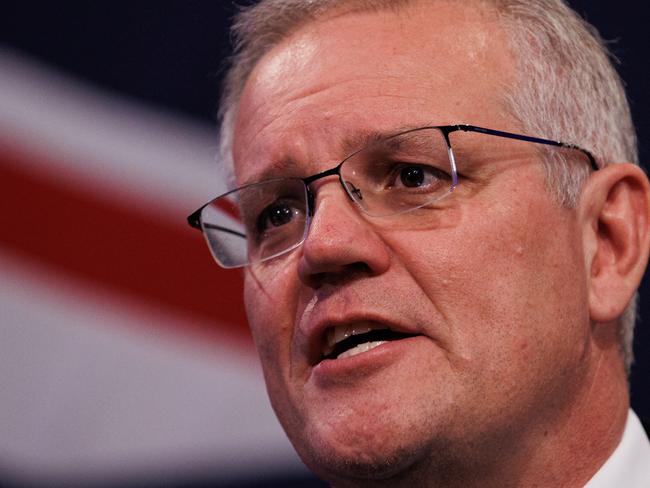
(360, 267)
(340, 275)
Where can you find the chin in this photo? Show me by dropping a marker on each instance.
(363, 453)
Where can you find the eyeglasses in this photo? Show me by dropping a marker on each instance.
(390, 176)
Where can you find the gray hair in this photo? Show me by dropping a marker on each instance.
(567, 87)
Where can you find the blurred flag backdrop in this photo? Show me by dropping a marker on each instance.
(124, 354)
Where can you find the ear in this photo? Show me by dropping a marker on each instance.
(615, 217)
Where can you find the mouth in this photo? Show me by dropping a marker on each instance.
(345, 341)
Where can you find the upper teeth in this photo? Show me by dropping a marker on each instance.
(342, 332)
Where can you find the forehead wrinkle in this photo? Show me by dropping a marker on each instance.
(294, 103)
(264, 85)
(284, 167)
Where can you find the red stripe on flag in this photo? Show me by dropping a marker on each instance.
(229, 208)
(141, 253)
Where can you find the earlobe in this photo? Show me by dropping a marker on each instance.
(615, 212)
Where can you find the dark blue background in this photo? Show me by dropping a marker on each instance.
(169, 53)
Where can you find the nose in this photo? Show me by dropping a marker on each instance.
(341, 242)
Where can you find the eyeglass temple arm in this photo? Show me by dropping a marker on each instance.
(521, 137)
(195, 222)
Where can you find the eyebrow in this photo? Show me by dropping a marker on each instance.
(283, 168)
(361, 139)
(289, 167)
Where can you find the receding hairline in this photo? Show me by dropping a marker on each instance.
(315, 11)
(360, 9)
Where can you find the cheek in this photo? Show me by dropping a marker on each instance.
(270, 300)
(501, 280)
(270, 307)
(512, 298)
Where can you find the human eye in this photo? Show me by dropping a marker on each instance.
(417, 176)
(275, 215)
(278, 219)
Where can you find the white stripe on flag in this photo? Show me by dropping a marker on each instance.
(87, 391)
(112, 145)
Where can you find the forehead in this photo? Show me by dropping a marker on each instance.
(340, 78)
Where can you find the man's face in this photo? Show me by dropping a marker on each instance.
(490, 286)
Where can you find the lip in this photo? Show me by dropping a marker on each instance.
(315, 333)
(332, 371)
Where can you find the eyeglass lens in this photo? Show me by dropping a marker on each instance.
(387, 177)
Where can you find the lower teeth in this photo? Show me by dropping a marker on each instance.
(361, 348)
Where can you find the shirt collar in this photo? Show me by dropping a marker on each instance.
(629, 464)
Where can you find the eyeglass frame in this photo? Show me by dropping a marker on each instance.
(194, 219)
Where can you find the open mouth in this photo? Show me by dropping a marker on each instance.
(348, 341)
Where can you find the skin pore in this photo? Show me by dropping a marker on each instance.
(506, 370)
